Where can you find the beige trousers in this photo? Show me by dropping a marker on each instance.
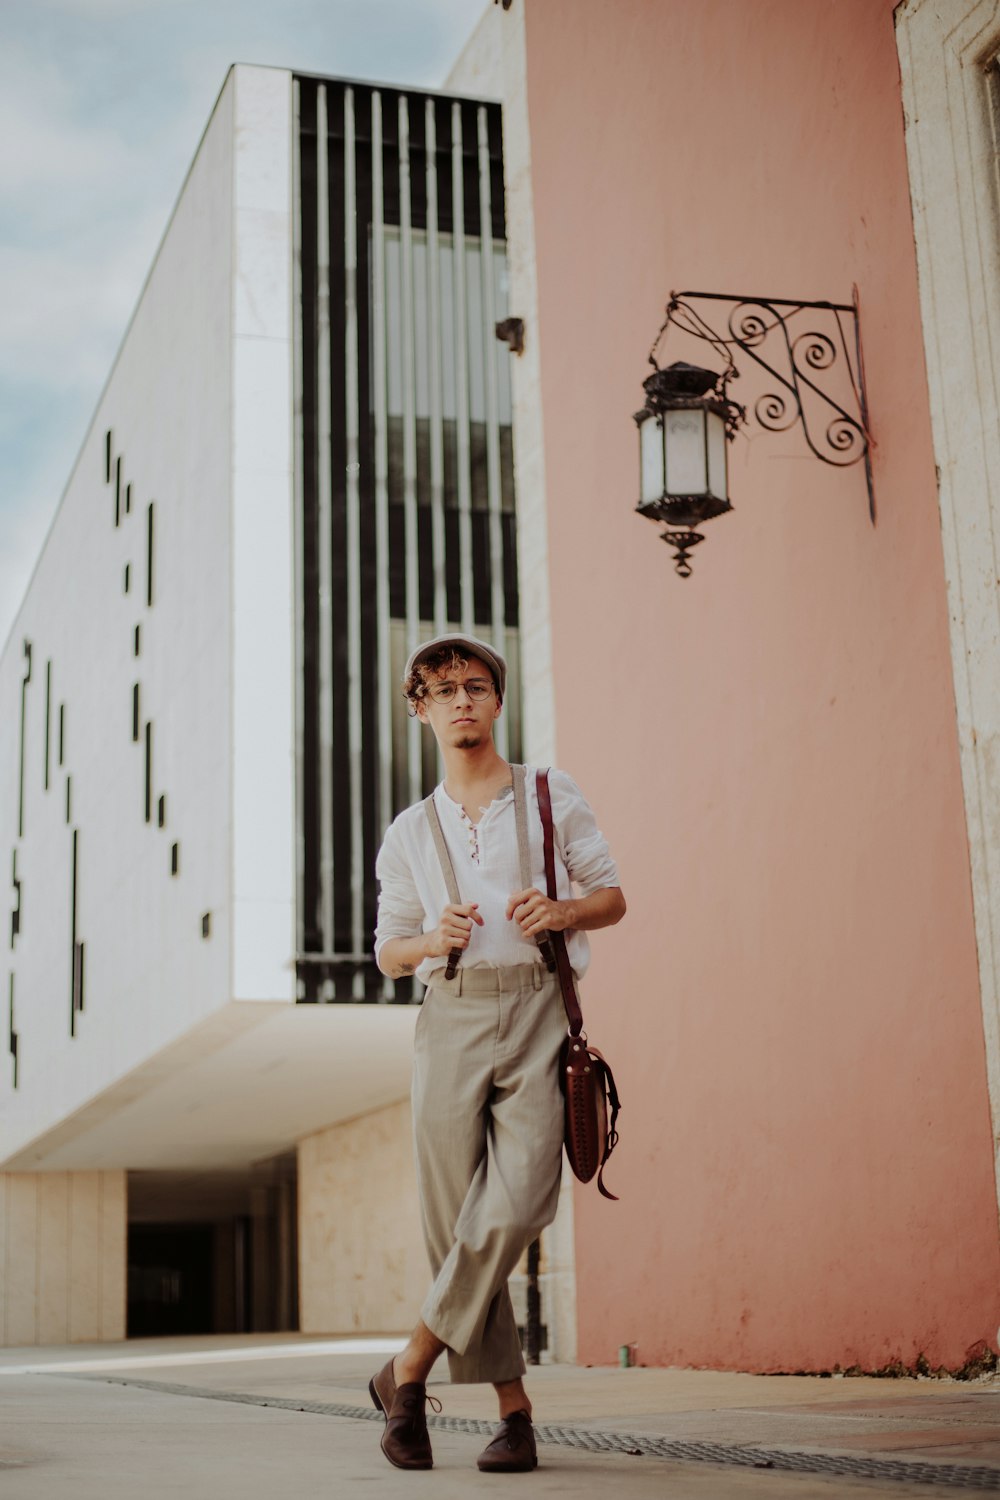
(488, 1127)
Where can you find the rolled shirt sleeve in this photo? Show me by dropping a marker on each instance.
(400, 909)
(583, 847)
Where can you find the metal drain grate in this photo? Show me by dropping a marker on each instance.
(948, 1476)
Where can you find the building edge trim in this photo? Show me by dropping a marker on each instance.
(943, 100)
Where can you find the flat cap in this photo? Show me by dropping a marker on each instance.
(489, 654)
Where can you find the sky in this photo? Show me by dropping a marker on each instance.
(102, 105)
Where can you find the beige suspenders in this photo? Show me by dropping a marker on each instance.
(447, 870)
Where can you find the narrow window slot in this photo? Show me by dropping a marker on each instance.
(78, 975)
(74, 968)
(128, 499)
(15, 916)
(62, 727)
(11, 1033)
(149, 553)
(161, 811)
(69, 799)
(128, 573)
(118, 491)
(135, 712)
(175, 858)
(149, 771)
(107, 456)
(48, 720)
(206, 925)
(24, 705)
(136, 642)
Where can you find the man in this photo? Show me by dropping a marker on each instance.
(487, 1108)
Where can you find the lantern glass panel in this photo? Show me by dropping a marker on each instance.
(718, 482)
(650, 460)
(684, 447)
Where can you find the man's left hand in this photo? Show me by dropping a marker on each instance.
(535, 913)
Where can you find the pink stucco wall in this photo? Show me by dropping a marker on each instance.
(792, 1004)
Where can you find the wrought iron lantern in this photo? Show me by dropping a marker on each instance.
(688, 417)
(684, 428)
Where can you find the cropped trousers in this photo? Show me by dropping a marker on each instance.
(488, 1128)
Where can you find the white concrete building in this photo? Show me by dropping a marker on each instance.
(300, 466)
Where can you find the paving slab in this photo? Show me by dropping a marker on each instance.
(254, 1417)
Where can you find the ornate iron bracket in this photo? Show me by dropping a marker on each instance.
(797, 356)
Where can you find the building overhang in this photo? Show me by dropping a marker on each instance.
(246, 1084)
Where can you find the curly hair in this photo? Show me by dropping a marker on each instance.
(444, 659)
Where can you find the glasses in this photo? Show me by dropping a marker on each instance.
(477, 688)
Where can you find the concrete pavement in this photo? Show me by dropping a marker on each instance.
(267, 1416)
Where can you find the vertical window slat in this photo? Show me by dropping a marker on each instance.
(384, 681)
(491, 349)
(460, 321)
(298, 401)
(381, 444)
(325, 528)
(434, 375)
(414, 756)
(354, 702)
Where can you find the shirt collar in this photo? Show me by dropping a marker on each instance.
(498, 803)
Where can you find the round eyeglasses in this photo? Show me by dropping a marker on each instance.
(443, 692)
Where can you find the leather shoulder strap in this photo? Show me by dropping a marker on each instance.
(600, 1061)
(557, 939)
(448, 871)
(518, 780)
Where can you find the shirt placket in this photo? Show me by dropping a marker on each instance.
(472, 835)
(477, 833)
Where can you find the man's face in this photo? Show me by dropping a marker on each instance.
(465, 720)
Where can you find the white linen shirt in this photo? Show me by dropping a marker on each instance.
(413, 894)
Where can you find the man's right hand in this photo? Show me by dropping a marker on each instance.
(453, 931)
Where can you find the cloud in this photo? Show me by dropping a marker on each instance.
(63, 315)
(49, 143)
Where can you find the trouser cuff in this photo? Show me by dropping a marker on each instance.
(477, 1366)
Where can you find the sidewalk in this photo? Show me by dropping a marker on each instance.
(276, 1415)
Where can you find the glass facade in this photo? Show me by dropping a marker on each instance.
(405, 513)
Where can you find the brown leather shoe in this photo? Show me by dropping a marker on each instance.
(382, 1388)
(405, 1441)
(512, 1450)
